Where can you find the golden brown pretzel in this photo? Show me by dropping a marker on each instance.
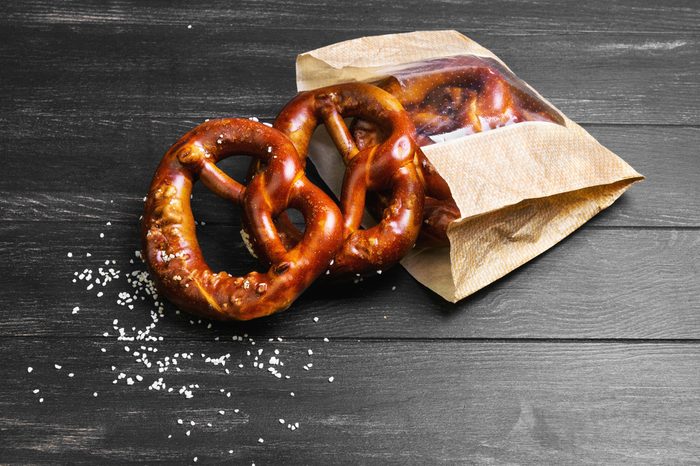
(389, 166)
(170, 246)
(464, 92)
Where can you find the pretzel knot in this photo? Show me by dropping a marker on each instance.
(389, 166)
(170, 245)
(466, 93)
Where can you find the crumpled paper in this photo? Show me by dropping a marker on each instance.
(520, 188)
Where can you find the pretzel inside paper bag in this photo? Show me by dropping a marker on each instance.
(448, 98)
(461, 95)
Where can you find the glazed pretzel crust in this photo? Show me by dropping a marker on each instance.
(470, 93)
(169, 241)
(389, 166)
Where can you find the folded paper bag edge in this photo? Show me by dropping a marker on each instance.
(365, 58)
(573, 160)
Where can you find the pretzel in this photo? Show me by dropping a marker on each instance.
(469, 93)
(389, 166)
(169, 242)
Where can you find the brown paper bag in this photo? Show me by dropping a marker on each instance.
(520, 188)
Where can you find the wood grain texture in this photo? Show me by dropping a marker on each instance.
(103, 177)
(130, 61)
(599, 283)
(588, 354)
(504, 16)
(389, 403)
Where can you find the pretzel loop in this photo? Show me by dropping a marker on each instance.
(170, 246)
(388, 166)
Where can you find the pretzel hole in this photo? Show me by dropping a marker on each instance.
(291, 227)
(236, 167)
(208, 206)
(366, 133)
(223, 249)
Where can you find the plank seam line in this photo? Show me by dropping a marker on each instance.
(525, 340)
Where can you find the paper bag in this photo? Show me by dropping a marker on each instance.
(520, 188)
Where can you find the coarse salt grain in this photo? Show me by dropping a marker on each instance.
(143, 288)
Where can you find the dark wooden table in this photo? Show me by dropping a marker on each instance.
(589, 353)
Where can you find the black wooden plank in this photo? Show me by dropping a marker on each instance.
(599, 283)
(104, 177)
(65, 61)
(390, 402)
(610, 79)
(505, 16)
